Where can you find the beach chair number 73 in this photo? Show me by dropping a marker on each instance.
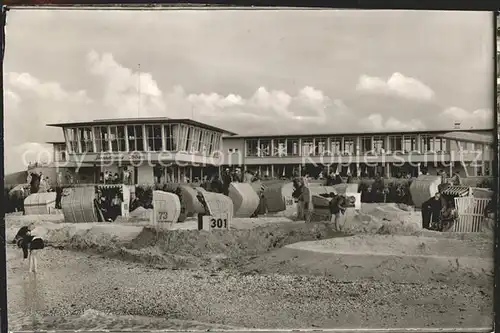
(162, 216)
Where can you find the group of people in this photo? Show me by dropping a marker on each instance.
(109, 203)
(438, 213)
(107, 177)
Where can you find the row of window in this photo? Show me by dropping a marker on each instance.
(342, 146)
(177, 137)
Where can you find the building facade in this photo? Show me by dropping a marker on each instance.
(389, 154)
(150, 149)
(177, 150)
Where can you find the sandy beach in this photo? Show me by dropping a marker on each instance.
(272, 275)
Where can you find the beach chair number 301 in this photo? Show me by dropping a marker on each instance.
(218, 223)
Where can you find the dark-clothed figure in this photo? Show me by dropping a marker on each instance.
(116, 207)
(378, 187)
(237, 177)
(35, 183)
(59, 193)
(27, 241)
(456, 180)
(367, 195)
(431, 211)
(298, 185)
(227, 179)
(448, 217)
(329, 179)
(216, 185)
(134, 202)
(442, 173)
(337, 208)
(337, 180)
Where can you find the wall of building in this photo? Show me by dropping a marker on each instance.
(233, 150)
(145, 174)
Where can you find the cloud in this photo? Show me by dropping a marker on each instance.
(376, 122)
(397, 84)
(11, 99)
(46, 90)
(21, 155)
(398, 104)
(481, 118)
(127, 92)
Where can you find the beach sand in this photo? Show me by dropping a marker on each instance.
(267, 275)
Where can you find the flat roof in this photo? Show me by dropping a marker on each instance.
(289, 135)
(149, 120)
(469, 137)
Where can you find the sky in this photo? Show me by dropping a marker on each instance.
(247, 71)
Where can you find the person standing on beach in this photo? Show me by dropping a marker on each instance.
(227, 179)
(431, 211)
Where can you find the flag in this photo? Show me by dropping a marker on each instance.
(339, 169)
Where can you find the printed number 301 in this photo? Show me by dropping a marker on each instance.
(218, 223)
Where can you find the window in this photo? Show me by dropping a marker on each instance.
(378, 144)
(395, 143)
(279, 147)
(85, 136)
(101, 138)
(206, 142)
(135, 138)
(409, 143)
(170, 138)
(120, 136)
(131, 138)
(201, 144)
(320, 147)
(113, 138)
(425, 143)
(252, 147)
(189, 141)
(211, 145)
(439, 145)
(366, 144)
(335, 146)
(195, 141)
(153, 138)
(182, 137)
(292, 147)
(217, 141)
(349, 146)
(307, 147)
(265, 147)
(72, 140)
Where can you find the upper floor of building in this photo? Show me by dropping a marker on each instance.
(348, 144)
(139, 135)
(188, 136)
